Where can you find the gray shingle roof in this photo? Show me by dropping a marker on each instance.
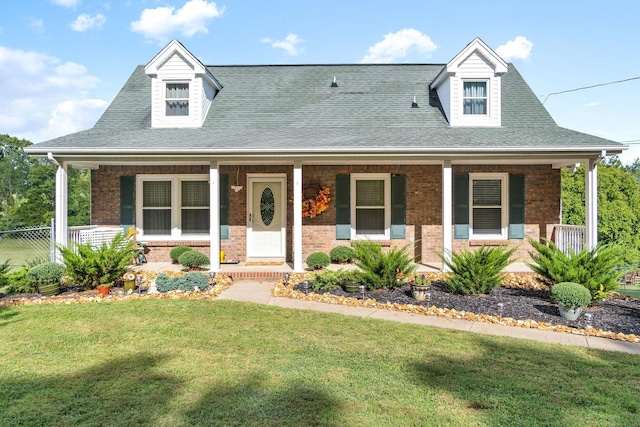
(271, 109)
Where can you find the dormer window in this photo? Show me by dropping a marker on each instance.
(474, 98)
(177, 99)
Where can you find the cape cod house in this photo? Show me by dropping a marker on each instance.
(234, 158)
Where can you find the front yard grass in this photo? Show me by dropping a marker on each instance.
(188, 362)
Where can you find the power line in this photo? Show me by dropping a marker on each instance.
(589, 87)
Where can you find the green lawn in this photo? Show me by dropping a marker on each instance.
(181, 362)
(23, 251)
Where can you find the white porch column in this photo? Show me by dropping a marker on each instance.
(591, 203)
(297, 217)
(214, 216)
(447, 214)
(61, 203)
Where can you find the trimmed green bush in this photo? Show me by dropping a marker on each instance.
(479, 271)
(176, 251)
(327, 280)
(382, 269)
(571, 295)
(193, 259)
(187, 282)
(89, 267)
(596, 270)
(4, 268)
(342, 254)
(318, 260)
(45, 274)
(17, 283)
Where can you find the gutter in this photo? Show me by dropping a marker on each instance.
(52, 159)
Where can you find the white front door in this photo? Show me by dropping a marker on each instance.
(266, 222)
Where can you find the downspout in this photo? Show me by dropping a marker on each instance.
(52, 159)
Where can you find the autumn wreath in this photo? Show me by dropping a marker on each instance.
(314, 206)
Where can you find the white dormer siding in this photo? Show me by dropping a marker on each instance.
(181, 88)
(478, 69)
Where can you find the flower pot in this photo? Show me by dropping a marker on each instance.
(419, 292)
(49, 290)
(129, 285)
(351, 286)
(103, 289)
(569, 313)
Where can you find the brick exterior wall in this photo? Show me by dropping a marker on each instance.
(424, 207)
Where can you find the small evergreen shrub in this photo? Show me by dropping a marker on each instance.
(341, 254)
(571, 295)
(176, 251)
(382, 269)
(45, 274)
(187, 282)
(318, 260)
(596, 270)
(17, 283)
(4, 269)
(193, 259)
(327, 280)
(477, 272)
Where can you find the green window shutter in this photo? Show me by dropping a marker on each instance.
(398, 206)
(224, 206)
(516, 206)
(343, 207)
(127, 201)
(461, 206)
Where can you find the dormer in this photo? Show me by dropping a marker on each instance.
(469, 86)
(182, 88)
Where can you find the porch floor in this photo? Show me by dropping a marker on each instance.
(271, 273)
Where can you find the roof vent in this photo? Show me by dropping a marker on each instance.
(333, 83)
(414, 104)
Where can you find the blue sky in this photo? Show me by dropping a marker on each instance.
(63, 61)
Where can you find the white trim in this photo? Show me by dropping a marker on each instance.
(214, 217)
(504, 188)
(266, 177)
(297, 218)
(354, 177)
(61, 208)
(447, 211)
(591, 203)
(189, 100)
(481, 118)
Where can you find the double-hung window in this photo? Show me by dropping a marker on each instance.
(474, 98)
(488, 201)
(177, 99)
(173, 205)
(370, 206)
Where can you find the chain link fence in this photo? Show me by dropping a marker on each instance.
(27, 246)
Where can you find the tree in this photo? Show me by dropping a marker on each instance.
(618, 205)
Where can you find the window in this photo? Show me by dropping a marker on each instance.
(174, 205)
(177, 99)
(474, 98)
(370, 213)
(488, 201)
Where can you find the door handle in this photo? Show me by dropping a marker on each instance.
(249, 217)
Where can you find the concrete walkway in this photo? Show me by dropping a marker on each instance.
(260, 293)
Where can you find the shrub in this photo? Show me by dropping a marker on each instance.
(89, 267)
(380, 269)
(4, 268)
(342, 254)
(477, 272)
(187, 282)
(327, 280)
(193, 259)
(596, 270)
(17, 283)
(571, 295)
(176, 251)
(45, 274)
(318, 260)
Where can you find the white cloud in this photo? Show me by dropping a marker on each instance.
(162, 22)
(592, 104)
(44, 97)
(399, 45)
(66, 3)
(518, 48)
(86, 22)
(289, 44)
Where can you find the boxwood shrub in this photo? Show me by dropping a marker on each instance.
(193, 259)
(318, 260)
(45, 274)
(176, 251)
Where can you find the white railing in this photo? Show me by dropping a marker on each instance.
(96, 235)
(569, 238)
(73, 233)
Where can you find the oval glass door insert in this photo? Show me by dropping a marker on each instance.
(267, 206)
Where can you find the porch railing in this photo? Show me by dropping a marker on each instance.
(94, 234)
(569, 238)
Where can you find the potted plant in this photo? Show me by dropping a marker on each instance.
(193, 260)
(342, 254)
(129, 279)
(46, 277)
(571, 298)
(318, 260)
(420, 287)
(351, 281)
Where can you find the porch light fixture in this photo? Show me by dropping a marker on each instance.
(333, 83)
